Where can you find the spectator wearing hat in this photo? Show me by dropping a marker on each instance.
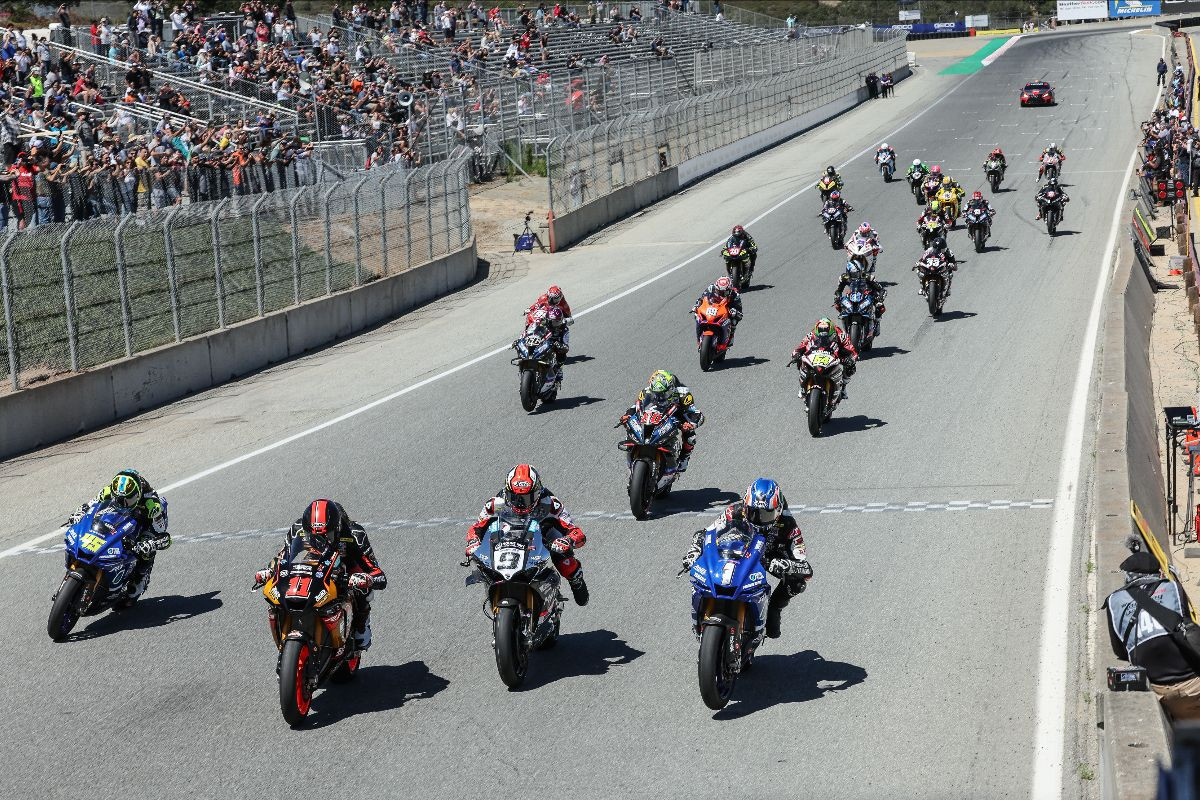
(1136, 615)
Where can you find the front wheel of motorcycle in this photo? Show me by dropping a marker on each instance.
(295, 696)
(708, 350)
(528, 390)
(64, 612)
(1051, 222)
(816, 410)
(933, 294)
(640, 489)
(995, 182)
(716, 680)
(979, 239)
(856, 335)
(512, 661)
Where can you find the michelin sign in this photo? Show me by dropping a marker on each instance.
(1124, 9)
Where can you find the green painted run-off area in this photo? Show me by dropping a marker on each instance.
(974, 63)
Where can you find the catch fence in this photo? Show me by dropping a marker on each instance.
(81, 294)
(599, 160)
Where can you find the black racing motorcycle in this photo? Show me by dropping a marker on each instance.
(916, 181)
(653, 445)
(979, 226)
(835, 226)
(820, 386)
(856, 307)
(1052, 210)
(994, 168)
(537, 366)
(934, 273)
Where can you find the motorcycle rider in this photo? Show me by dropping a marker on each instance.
(885, 151)
(917, 166)
(930, 214)
(938, 247)
(763, 510)
(524, 495)
(997, 154)
(1052, 150)
(977, 201)
(827, 336)
(1051, 185)
(554, 298)
(661, 389)
(831, 174)
(836, 201)
(741, 238)
(129, 491)
(871, 235)
(876, 289)
(323, 526)
(722, 289)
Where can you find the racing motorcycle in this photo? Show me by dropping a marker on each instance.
(737, 265)
(979, 226)
(916, 183)
(856, 307)
(826, 186)
(862, 253)
(887, 165)
(537, 366)
(523, 599)
(311, 614)
(995, 173)
(820, 386)
(930, 188)
(714, 326)
(730, 595)
(653, 444)
(932, 228)
(99, 561)
(935, 272)
(835, 225)
(1051, 166)
(948, 198)
(1052, 212)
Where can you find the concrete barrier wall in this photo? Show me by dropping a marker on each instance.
(47, 413)
(577, 225)
(1134, 736)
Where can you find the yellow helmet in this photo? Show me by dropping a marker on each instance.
(945, 180)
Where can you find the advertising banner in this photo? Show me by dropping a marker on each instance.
(1082, 9)
(977, 20)
(1124, 9)
(926, 27)
(910, 16)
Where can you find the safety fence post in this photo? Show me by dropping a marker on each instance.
(328, 239)
(258, 256)
(10, 325)
(408, 244)
(357, 233)
(296, 241)
(123, 283)
(216, 240)
(172, 284)
(64, 246)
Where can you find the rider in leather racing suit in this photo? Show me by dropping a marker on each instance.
(885, 149)
(939, 247)
(1051, 185)
(836, 201)
(997, 154)
(722, 289)
(977, 201)
(129, 491)
(554, 298)
(831, 173)
(661, 389)
(876, 289)
(524, 494)
(930, 214)
(827, 336)
(764, 510)
(1052, 150)
(917, 166)
(742, 238)
(322, 525)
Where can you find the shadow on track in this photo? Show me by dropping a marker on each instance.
(576, 654)
(887, 351)
(1061, 232)
(993, 248)
(579, 359)
(681, 500)
(564, 403)
(859, 422)
(382, 687)
(796, 678)
(743, 361)
(151, 612)
(758, 287)
(950, 316)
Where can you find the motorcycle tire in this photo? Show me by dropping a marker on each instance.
(736, 275)
(856, 335)
(640, 490)
(995, 181)
(708, 353)
(887, 175)
(716, 681)
(347, 669)
(64, 612)
(1052, 222)
(933, 295)
(980, 237)
(816, 411)
(295, 698)
(512, 662)
(529, 395)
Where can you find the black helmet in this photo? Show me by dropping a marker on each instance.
(1052, 181)
(938, 245)
(322, 521)
(830, 171)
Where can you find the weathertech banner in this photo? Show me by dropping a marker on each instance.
(1121, 9)
(1082, 9)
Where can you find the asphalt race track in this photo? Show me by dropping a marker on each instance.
(907, 670)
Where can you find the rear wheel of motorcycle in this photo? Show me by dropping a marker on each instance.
(979, 237)
(347, 669)
(716, 681)
(816, 410)
(640, 489)
(511, 661)
(856, 335)
(707, 352)
(995, 182)
(64, 613)
(933, 295)
(528, 390)
(295, 698)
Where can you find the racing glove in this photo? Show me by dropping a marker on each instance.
(561, 546)
(142, 548)
(261, 577)
(360, 582)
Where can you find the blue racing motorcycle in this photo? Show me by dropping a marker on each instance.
(100, 560)
(729, 609)
(856, 307)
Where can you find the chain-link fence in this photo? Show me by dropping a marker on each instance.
(81, 294)
(603, 158)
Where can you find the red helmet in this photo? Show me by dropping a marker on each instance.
(936, 169)
(738, 230)
(835, 195)
(321, 523)
(554, 295)
(997, 152)
(723, 287)
(522, 489)
(977, 196)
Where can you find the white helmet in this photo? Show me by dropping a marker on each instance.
(885, 146)
(1053, 146)
(916, 162)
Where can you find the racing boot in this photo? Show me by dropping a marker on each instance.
(780, 598)
(362, 627)
(136, 584)
(579, 589)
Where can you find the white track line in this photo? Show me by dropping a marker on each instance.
(1051, 701)
(1000, 50)
(466, 364)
